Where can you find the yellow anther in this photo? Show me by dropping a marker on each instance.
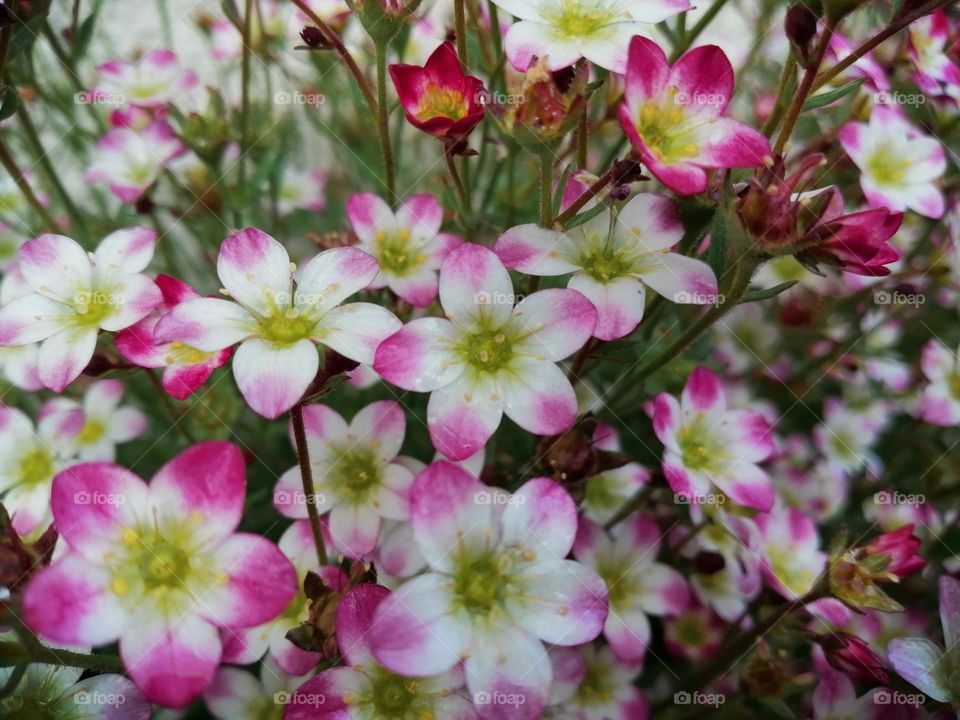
(130, 536)
(119, 586)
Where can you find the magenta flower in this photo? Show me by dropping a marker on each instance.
(439, 98)
(129, 161)
(708, 445)
(491, 356)
(279, 316)
(901, 546)
(363, 688)
(152, 81)
(498, 587)
(185, 368)
(407, 244)
(637, 585)
(159, 567)
(858, 242)
(75, 296)
(355, 472)
(674, 116)
(899, 163)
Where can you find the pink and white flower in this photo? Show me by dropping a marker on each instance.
(302, 190)
(74, 296)
(607, 492)
(186, 368)
(792, 559)
(153, 80)
(675, 116)
(563, 31)
(29, 459)
(159, 567)
(19, 363)
(899, 164)
(236, 694)
(613, 259)
(848, 433)
(364, 689)
(407, 243)
(105, 423)
(708, 445)
(491, 356)
(279, 316)
(940, 402)
(498, 587)
(594, 685)
(637, 585)
(356, 476)
(130, 161)
(928, 48)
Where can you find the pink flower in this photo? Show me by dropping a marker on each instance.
(439, 98)
(154, 80)
(858, 242)
(130, 161)
(363, 688)
(940, 401)
(159, 567)
(490, 357)
(792, 560)
(236, 694)
(854, 658)
(899, 164)
(355, 474)
(105, 425)
(928, 49)
(637, 585)
(707, 445)
(407, 244)
(674, 116)
(591, 683)
(614, 260)
(185, 368)
(302, 189)
(18, 363)
(901, 545)
(563, 31)
(279, 316)
(498, 587)
(75, 296)
(835, 697)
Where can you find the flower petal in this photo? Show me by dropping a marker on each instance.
(356, 330)
(125, 252)
(207, 324)
(538, 397)
(619, 303)
(56, 266)
(63, 357)
(534, 250)
(417, 357)
(541, 516)
(475, 287)
(272, 378)
(555, 323)
(334, 275)
(255, 270)
(463, 415)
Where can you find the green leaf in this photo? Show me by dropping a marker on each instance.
(586, 216)
(830, 96)
(232, 13)
(558, 192)
(84, 35)
(10, 102)
(717, 252)
(24, 36)
(757, 295)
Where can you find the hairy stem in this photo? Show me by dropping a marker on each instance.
(306, 474)
(384, 127)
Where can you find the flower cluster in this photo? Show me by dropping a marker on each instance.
(480, 360)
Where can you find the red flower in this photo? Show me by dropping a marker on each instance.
(901, 545)
(854, 658)
(439, 98)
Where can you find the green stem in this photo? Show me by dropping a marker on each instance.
(306, 474)
(175, 415)
(10, 165)
(500, 76)
(594, 190)
(804, 90)
(684, 42)
(460, 23)
(786, 78)
(583, 131)
(464, 197)
(383, 125)
(245, 98)
(35, 651)
(67, 63)
(546, 189)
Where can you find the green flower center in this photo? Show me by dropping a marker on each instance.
(487, 351)
(700, 449)
(886, 168)
(36, 467)
(954, 383)
(357, 474)
(390, 696)
(92, 308)
(665, 133)
(601, 493)
(180, 354)
(689, 630)
(579, 18)
(605, 264)
(797, 579)
(93, 430)
(395, 254)
(595, 688)
(286, 326)
(482, 583)
(438, 101)
(621, 585)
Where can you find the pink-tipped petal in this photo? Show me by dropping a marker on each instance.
(272, 378)
(417, 357)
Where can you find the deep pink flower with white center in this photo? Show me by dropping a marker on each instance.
(940, 400)
(130, 161)
(613, 261)
(594, 685)
(364, 689)
(899, 164)
(637, 585)
(75, 295)
(105, 423)
(707, 444)
(279, 315)
(159, 567)
(185, 368)
(857, 242)
(674, 116)
(153, 80)
(243, 646)
(29, 459)
(439, 98)
(792, 559)
(356, 476)
(407, 243)
(498, 587)
(563, 31)
(928, 48)
(491, 356)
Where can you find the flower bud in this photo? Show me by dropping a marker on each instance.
(800, 26)
(853, 657)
